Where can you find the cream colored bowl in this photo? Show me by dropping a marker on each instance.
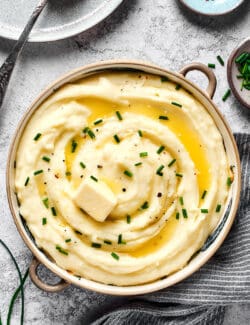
(213, 242)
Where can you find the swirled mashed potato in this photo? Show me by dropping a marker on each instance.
(155, 148)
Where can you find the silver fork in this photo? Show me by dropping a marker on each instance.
(9, 64)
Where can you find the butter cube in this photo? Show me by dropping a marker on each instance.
(96, 198)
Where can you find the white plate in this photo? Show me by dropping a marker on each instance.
(60, 19)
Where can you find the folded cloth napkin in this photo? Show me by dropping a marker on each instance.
(203, 297)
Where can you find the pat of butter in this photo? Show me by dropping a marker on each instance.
(96, 198)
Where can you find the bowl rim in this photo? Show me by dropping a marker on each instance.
(159, 284)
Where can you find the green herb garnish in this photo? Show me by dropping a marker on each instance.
(204, 210)
(211, 65)
(96, 245)
(53, 211)
(181, 200)
(27, 181)
(128, 218)
(226, 95)
(176, 104)
(178, 175)
(98, 122)
(145, 205)
(128, 173)
(229, 181)
(184, 213)
(219, 58)
(115, 256)
(68, 240)
(243, 62)
(61, 250)
(44, 221)
(37, 172)
(107, 242)
(218, 208)
(161, 148)
(159, 170)
(46, 202)
(94, 178)
(91, 134)
(73, 146)
(45, 158)
(140, 133)
(117, 139)
(120, 241)
(178, 87)
(163, 117)
(143, 154)
(177, 216)
(68, 173)
(82, 165)
(171, 162)
(164, 79)
(138, 164)
(85, 130)
(204, 194)
(119, 116)
(37, 137)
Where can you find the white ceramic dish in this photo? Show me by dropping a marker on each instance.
(60, 19)
(213, 242)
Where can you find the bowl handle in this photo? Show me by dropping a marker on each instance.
(212, 82)
(40, 284)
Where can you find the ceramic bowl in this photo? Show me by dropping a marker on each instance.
(212, 7)
(213, 242)
(243, 95)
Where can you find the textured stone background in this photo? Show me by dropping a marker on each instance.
(153, 30)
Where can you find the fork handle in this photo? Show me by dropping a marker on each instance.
(8, 65)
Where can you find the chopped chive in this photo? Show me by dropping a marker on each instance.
(117, 139)
(119, 116)
(178, 87)
(171, 162)
(37, 137)
(120, 241)
(176, 104)
(211, 65)
(85, 130)
(115, 256)
(221, 61)
(73, 146)
(107, 242)
(161, 148)
(229, 181)
(82, 165)
(181, 200)
(163, 117)
(45, 158)
(61, 250)
(164, 79)
(177, 216)
(226, 95)
(218, 208)
(44, 221)
(98, 121)
(184, 213)
(159, 170)
(140, 133)
(53, 210)
(46, 202)
(204, 194)
(27, 181)
(145, 205)
(37, 172)
(96, 245)
(68, 173)
(143, 154)
(204, 210)
(94, 178)
(178, 175)
(68, 240)
(91, 134)
(138, 164)
(128, 218)
(128, 173)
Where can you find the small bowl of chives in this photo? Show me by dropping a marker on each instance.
(238, 72)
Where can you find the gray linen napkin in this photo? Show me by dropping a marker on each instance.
(202, 298)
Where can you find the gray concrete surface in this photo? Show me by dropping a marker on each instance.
(153, 30)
